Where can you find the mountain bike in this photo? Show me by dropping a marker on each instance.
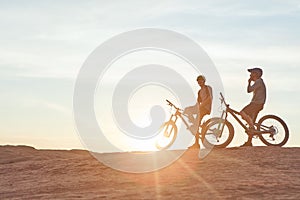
(270, 129)
(168, 131)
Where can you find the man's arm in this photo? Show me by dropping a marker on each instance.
(255, 85)
(251, 88)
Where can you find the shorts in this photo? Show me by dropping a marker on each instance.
(194, 110)
(252, 110)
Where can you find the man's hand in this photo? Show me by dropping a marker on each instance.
(249, 80)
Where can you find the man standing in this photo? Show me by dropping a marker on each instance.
(201, 108)
(250, 112)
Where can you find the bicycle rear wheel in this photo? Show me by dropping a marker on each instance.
(217, 133)
(166, 135)
(279, 132)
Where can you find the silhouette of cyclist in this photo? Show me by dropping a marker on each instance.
(200, 109)
(250, 112)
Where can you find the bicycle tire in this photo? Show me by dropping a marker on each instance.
(211, 130)
(167, 132)
(281, 131)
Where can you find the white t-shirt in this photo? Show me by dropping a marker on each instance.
(259, 91)
(205, 93)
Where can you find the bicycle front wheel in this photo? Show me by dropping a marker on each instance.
(217, 133)
(278, 132)
(166, 135)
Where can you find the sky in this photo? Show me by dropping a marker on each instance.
(45, 43)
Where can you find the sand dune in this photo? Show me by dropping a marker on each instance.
(235, 173)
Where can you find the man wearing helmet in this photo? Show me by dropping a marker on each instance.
(200, 109)
(250, 112)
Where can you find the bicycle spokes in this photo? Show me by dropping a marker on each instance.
(273, 130)
(215, 132)
(167, 135)
(168, 130)
(218, 132)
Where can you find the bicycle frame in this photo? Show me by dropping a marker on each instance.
(177, 114)
(234, 113)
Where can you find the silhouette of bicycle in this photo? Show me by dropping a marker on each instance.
(168, 131)
(270, 129)
(219, 132)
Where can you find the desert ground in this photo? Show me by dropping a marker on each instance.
(233, 173)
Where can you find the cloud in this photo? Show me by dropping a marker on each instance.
(57, 107)
(39, 103)
(53, 39)
(257, 8)
(279, 54)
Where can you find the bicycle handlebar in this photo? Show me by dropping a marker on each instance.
(171, 104)
(222, 97)
(223, 100)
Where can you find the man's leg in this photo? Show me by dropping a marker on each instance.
(245, 115)
(190, 112)
(198, 123)
(247, 118)
(196, 128)
(249, 114)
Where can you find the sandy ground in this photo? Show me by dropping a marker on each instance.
(235, 173)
